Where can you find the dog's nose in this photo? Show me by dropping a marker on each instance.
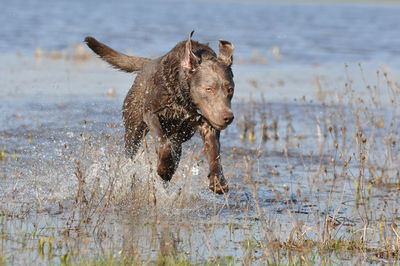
(228, 118)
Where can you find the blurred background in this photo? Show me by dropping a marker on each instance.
(303, 32)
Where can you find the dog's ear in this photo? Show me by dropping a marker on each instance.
(190, 60)
(226, 52)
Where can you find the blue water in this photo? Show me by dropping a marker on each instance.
(305, 32)
(57, 112)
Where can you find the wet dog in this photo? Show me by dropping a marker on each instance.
(188, 89)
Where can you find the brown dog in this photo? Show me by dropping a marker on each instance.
(188, 89)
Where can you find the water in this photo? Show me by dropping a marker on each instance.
(57, 116)
(305, 33)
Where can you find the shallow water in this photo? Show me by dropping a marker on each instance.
(304, 32)
(59, 119)
(278, 184)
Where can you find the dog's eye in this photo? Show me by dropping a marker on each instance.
(230, 91)
(209, 89)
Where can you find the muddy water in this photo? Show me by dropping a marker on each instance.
(60, 121)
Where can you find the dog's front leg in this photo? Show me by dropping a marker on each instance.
(169, 152)
(211, 149)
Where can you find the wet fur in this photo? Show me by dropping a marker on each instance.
(160, 101)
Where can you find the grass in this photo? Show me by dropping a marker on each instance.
(161, 260)
(313, 185)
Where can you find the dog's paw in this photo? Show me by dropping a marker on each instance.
(218, 184)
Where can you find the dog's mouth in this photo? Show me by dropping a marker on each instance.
(212, 123)
(217, 126)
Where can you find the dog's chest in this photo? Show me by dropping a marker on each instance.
(179, 124)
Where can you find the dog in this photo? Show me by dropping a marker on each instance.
(188, 89)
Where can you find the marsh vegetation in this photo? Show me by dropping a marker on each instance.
(312, 157)
(313, 181)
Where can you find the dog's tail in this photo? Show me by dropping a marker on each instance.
(116, 59)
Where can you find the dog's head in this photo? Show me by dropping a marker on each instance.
(211, 83)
